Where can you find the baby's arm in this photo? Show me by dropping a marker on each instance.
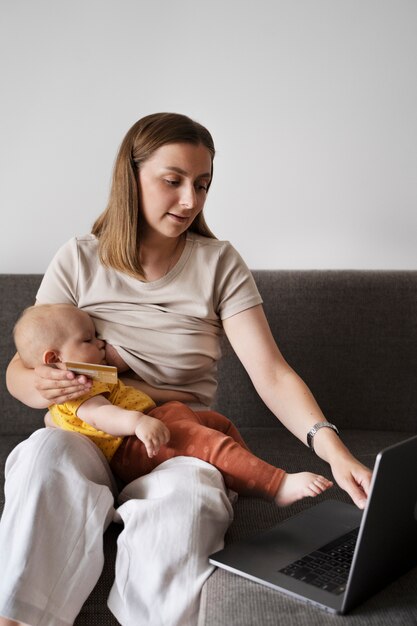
(49, 422)
(102, 415)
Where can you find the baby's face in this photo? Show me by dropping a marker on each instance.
(81, 343)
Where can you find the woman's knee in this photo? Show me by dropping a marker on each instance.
(50, 449)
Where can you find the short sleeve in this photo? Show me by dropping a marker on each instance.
(235, 287)
(97, 389)
(59, 283)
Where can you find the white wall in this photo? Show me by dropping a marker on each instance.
(312, 104)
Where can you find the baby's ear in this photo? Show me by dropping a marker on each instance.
(51, 356)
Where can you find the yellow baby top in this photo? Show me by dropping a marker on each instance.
(119, 394)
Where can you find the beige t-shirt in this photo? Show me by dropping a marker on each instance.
(168, 330)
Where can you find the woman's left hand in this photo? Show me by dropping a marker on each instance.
(353, 477)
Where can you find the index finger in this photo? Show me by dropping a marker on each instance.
(358, 494)
(52, 372)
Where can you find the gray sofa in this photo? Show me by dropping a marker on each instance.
(352, 336)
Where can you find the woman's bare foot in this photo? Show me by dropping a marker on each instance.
(294, 487)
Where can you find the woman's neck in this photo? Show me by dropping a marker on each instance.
(159, 255)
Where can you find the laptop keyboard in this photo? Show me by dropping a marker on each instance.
(328, 567)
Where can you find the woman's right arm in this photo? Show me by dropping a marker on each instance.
(44, 385)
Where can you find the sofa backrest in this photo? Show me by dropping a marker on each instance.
(351, 335)
(17, 291)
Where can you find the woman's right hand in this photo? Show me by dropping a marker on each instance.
(58, 385)
(45, 385)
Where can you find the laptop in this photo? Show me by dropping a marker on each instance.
(333, 555)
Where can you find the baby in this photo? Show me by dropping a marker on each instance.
(133, 433)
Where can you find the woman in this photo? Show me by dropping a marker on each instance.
(160, 288)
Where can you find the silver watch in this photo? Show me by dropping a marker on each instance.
(316, 427)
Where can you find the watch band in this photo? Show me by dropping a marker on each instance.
(316, 427)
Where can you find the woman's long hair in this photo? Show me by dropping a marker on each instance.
(118, 227)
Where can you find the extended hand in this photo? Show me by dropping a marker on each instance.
(153, 433)
(353, 477)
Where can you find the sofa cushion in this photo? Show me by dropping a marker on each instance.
(228, 599)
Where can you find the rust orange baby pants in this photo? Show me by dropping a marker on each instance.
(208, 436)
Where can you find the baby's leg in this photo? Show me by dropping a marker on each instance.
(219, 422)
(293, 486)
(242, 471)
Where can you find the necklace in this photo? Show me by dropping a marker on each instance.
(152, 275)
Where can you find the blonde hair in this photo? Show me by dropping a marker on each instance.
(117, 228)
(40, 328)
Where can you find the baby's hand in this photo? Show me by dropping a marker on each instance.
(153, 433)
(294, 487)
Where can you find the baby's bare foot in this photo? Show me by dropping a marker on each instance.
(294, 487)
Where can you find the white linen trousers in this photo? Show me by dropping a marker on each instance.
(60, 499)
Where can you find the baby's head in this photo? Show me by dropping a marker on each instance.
(54, 333)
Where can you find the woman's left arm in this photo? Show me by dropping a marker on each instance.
(289, 398)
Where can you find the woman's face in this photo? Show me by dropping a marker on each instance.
(173, 185)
